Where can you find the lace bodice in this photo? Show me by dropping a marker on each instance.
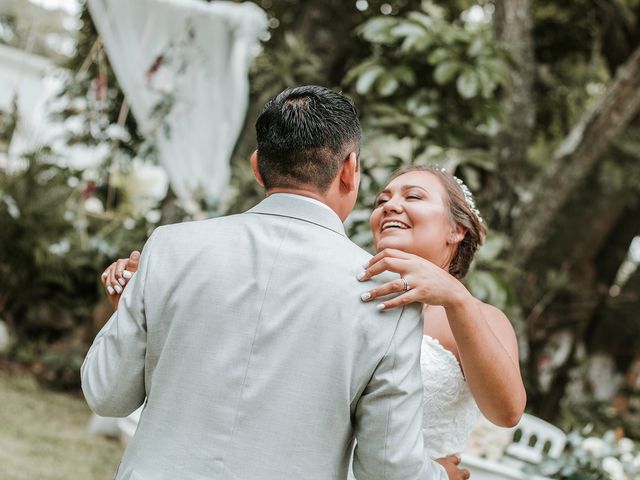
(450, 412)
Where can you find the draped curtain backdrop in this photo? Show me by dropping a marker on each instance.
(183, 67)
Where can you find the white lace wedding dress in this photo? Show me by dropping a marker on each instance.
(450, 412)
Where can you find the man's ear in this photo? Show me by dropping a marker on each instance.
(348, 174)
(254, 167)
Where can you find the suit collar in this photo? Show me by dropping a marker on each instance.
(296, 206)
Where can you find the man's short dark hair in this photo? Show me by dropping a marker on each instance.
(304, 134)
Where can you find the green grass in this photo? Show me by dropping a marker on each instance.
(43, 435)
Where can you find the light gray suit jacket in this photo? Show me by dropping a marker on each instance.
(258, 360)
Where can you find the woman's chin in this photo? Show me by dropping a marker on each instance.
(390, 242)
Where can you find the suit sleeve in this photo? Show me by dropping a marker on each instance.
(388, 417)
(112, 373)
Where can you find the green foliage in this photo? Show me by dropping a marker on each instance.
(59, 367)
(620, 170)
(487, 277)
(431, 79)
(8, 123)
(53, 247)
(290, 65)
(572, 60)
(35, 250)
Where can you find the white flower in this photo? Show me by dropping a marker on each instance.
(129, 223)
(625, 445)
(614, 468)
(116, 132)
(60, 248)
(82, 156)
(144, 185)
(595, 446)
(90, 174)
(147, 181)
(627, 457)
(78, 104)
(93, 205)
(588, 428)
(151, 179)
(153, 216)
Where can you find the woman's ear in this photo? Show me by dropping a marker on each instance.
(457, 234)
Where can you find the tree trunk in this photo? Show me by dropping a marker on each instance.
(588, 242)
(575, 158)
(513, 26)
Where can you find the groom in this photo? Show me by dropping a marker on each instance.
(247, 336)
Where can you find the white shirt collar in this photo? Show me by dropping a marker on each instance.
(302, 197)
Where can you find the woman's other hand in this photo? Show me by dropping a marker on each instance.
(451, 466)
(117, 275)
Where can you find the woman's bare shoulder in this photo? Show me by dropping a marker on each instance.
(498, 321)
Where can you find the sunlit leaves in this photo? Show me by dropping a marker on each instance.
(367, 79)
(446, 71)
(378, 30)
(425, 58)
(468, 84)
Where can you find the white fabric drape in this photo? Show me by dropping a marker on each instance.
(192, 58)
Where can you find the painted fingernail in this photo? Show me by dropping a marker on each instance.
(110, 290)
(127, 274)
(104, 274)
(118, 289)
(380, 306)
(122, 281)
(362, 274)
(365, 296)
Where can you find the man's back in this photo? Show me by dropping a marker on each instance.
(259, 350)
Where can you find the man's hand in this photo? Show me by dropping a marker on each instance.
(117, 275)
(450, 465)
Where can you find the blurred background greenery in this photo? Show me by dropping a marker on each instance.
(535, 105)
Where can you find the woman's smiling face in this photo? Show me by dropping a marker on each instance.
(412, 215)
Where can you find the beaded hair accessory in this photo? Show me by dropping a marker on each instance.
(468, 196)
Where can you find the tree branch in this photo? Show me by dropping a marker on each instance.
(575, 158)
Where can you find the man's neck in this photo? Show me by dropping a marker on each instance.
(313, 195)
(299, 191)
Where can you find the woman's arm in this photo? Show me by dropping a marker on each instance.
(488, 352)
(485, 339)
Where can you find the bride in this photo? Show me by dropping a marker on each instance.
(427, 229)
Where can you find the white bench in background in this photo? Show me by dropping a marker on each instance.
(526, 444)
